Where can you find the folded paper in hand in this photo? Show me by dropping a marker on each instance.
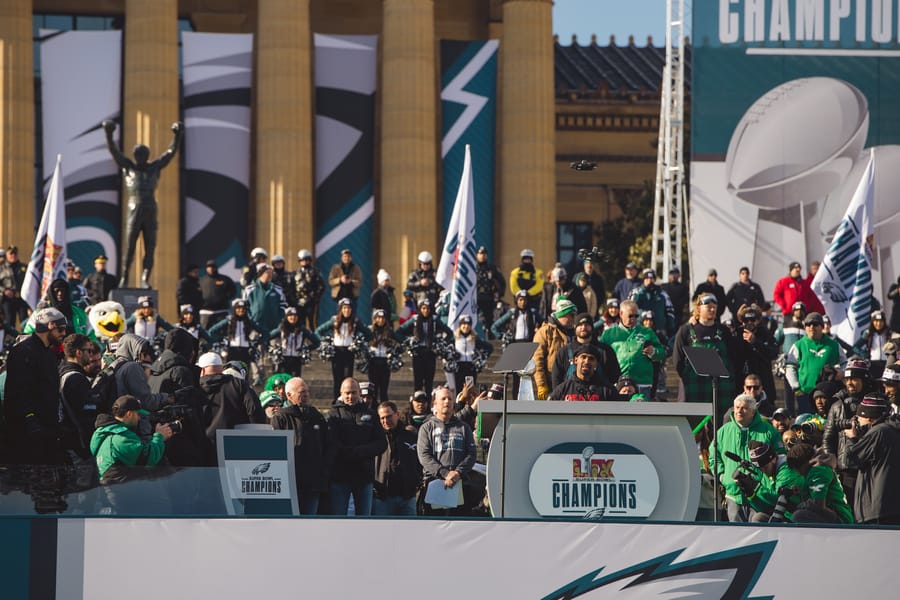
(439, 496)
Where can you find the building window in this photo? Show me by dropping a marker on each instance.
(570, 238)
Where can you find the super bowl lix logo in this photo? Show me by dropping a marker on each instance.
(575, 480)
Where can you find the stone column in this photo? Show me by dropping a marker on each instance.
(527, 210)
(150, 106)
(283, 210)
(408, 214)
(17, 194)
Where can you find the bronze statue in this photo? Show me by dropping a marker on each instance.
(141, 179)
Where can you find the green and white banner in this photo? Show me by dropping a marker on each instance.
(468, 116)
(788, 99)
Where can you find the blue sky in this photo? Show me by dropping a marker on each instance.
(621, 18)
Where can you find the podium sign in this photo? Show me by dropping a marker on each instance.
(592, 459)
(256, 471)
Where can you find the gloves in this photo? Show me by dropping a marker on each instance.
(543, 392)
(746, 483)
(32, 425)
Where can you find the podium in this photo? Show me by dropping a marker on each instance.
(632, 460)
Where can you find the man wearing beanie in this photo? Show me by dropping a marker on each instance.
(761, 488)
(383, 297)
(834, 440)
(874, 445)
(554, 334)
(584, 385)
(564, 365)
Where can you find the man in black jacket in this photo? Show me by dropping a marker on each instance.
(31, 395)
(608, 369)
(397, 469)
(79, 408)
(310, 444)
(218, 291)
(586, 384)
(188, 289)
(229, 401)
(874, 445)
(355, 439)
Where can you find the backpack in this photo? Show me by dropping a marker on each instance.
(105, 389)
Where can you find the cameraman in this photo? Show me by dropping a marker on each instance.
(834, 440)
(873, 444)
(826, 502)
(762, 485)
(120, 452)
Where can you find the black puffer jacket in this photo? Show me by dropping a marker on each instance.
(310, 444)
(355, 438)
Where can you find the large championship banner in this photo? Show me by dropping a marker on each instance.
(217, 78)
(345, 73)
(468, 116)
(788, 98)
(81, 81)
(94, 559)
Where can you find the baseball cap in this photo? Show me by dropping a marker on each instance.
(419, 396)
(98, 259)
(49, 316)
(209, 359)
(813, 318)
(794, 265)
(781, 413)
(268, 397)
(564, 307)
(125, 403)
(481, 250)
(649, 273)
(631, 266)
(583, 318)
(290, 310)
(238, 303)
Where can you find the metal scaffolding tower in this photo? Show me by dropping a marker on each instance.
(669, 207)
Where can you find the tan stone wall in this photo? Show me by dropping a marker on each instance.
(17, 193)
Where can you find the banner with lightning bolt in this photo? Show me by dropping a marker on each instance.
(48, 259)
(468, 109)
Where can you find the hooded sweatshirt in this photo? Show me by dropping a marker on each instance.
(130, 377)
(118, 447)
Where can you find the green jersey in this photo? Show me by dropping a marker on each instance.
(822, 484)
(766, 495)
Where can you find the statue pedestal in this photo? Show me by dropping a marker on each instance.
(128, 297)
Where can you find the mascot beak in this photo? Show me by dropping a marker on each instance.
(112, 323)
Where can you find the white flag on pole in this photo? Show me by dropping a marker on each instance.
(457, 270)
(844, 281)
(48, 259)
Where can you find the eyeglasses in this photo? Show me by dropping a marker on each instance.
(752, 387)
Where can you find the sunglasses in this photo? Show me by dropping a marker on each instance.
(752, 387)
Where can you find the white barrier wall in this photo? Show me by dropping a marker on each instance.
(434, 559)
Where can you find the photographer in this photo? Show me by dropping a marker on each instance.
(873, 443)
(120, 452)
(826, 502)
(763, 483)
(756, 351)
(840, 415)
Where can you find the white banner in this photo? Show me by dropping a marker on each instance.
(457, 270)
(235, 558)
(844, 282)
(81, 86)
(48, 259)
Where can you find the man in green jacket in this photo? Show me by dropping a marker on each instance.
(120, 453)
(807, 357)
(773, 473)
(733, 437)
(637, 347)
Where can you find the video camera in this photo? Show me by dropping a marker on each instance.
(173, 415)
